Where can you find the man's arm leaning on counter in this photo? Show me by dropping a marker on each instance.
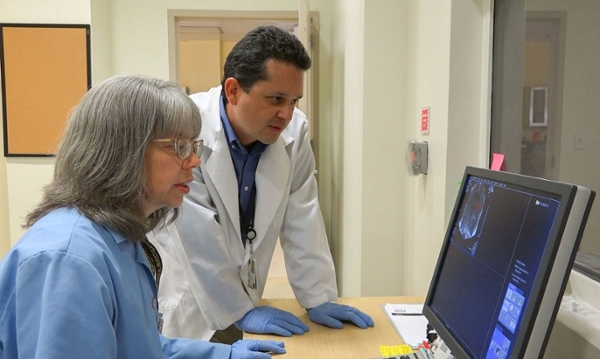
(351, 342)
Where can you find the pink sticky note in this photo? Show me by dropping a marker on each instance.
(498, 162)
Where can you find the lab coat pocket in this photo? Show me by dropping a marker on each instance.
(173, 284)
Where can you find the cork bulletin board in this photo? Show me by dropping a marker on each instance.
(45, 72)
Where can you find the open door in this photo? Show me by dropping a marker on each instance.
(199, 41)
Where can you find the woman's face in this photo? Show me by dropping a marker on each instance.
(167, 176)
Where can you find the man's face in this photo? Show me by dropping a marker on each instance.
(266, 110)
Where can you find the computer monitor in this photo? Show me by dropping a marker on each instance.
(504, 263)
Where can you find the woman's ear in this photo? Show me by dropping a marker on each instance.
(232, 90)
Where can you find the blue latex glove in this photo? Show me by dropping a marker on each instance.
(268, 320)
(255, 349)
(332, 315)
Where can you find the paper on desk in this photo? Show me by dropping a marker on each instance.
(412, 328)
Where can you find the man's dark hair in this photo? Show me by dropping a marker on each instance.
(247, 60)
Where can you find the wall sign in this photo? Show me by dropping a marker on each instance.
(425, 120)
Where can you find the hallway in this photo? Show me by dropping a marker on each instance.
(277, 282)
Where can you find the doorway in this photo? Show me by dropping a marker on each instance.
(199, 42)
(205, 43)
(566, 148)
(542, 95)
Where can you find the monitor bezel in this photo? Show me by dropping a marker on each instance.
(567, 193)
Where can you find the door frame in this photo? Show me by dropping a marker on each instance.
(557, 20)
(310, 34)
(175, 16)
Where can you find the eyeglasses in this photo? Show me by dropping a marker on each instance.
(184, 148)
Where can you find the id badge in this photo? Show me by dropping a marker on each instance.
(159, 323)
(252, 273)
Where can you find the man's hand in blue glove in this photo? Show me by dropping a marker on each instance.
(255, 349)
(268, 320)
(332, 315)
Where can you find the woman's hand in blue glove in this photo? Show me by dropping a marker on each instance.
(255, 349)
(268, 320)
(332, 315)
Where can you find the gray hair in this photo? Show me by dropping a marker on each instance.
(100, 163)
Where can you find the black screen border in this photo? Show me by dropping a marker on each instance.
(566, 194)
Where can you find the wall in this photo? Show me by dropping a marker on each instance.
(347, 161)
(23, 178)
(102, 61)
(226, 47)
(391, 59)
(4, 212)
(380, 62)
(150, 57)
(143, 50)
(358, 239)
(384, 133)
(331, 139)
(448, 71)
(429, 80)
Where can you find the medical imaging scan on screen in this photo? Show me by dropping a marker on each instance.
(496, 245)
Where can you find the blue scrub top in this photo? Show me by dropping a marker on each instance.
(71, 288)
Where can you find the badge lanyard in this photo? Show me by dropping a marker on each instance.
(251, 263)
(155, 263)
(248, 236)
(153, 259)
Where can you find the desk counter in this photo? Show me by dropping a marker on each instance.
(350, 342)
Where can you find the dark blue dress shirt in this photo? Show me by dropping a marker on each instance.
(245, 162)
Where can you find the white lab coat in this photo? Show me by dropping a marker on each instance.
(205, 262)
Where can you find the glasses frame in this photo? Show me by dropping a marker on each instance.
(190, 146)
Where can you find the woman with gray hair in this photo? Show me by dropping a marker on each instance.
(82, 281)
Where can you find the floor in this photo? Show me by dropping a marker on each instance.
(277, 282)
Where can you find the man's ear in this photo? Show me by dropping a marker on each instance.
(232, 90)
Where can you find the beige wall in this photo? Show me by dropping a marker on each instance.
(391, 59)
(449, 54)
(380, 61)
(143, 51)
(384, 132)
(226, 47)
(4, 212)
(23, 178)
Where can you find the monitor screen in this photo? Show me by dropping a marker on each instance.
(504, 263)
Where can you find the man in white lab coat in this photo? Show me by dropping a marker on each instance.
(256, 183)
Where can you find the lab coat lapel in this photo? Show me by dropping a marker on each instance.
(219, 167)
(221, 173)
(272, 176)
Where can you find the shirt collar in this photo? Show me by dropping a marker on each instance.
(229, 133)
(232, 139)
